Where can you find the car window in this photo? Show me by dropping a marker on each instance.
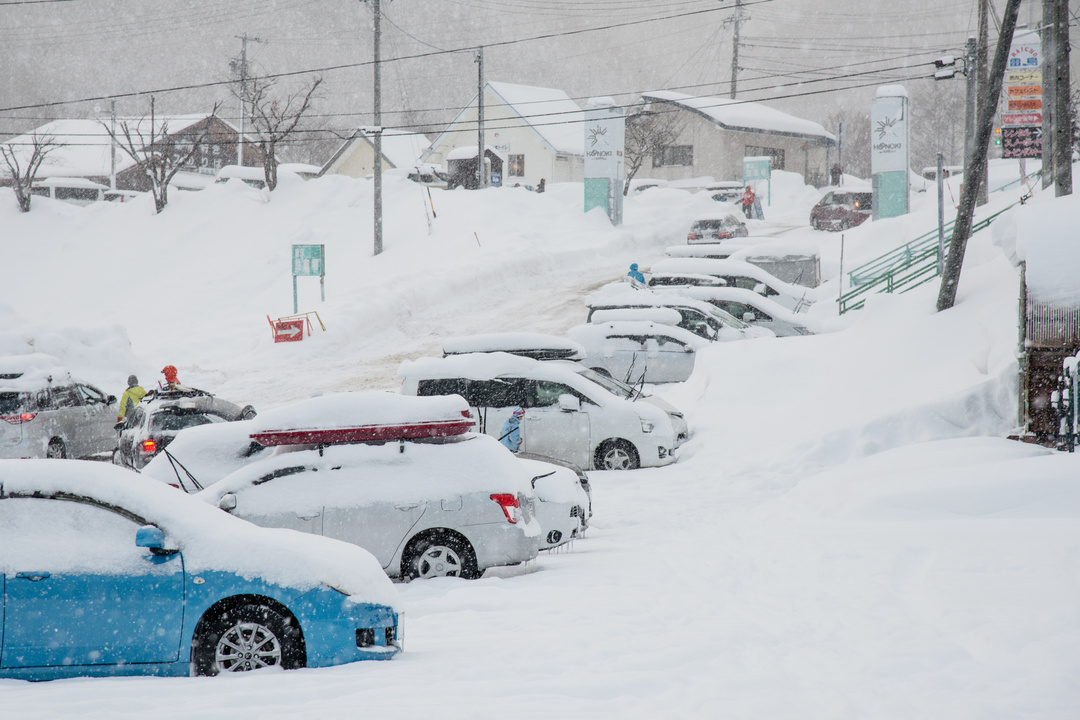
(11, 402)
(707, 225)
(827, 200)
(168, 421)
(91, 396)
(499, 393)
(613, 386)
(623, 343)
(441, 386)
(65, 396)
(731, 222)
(670, 344)
(547, 393)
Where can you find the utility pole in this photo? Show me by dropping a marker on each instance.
(112, 151)
(242, 69)
(376, 8)
(984, 99)
(974, 175)
(480, 155)
(1049, 107)
(735, 49)
(970, 107)
(1062, 110)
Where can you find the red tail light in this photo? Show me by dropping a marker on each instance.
(691, 236)
(510, 506)
(20, 418)
(149, 446)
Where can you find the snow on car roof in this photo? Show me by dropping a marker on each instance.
(515, 343)
(620, 295)
(358, 409)
(710, 266)
(211, 539)
(28, 373)
(654, 314)
(593, 335)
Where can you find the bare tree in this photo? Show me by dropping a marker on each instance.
(158, 153)
(647, 131)
(275, 118)
(24, 170)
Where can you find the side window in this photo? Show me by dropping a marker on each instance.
(91, 396)
(547, 393)
(827, 200)
(135, 418)
(65, 396)
(500, 393)
(449, 386)
(623, 343)
(670, 344)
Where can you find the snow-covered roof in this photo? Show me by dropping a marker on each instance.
(469, 151)
(1045, 237)
(401, 148)
(745, 116)
(550, 112)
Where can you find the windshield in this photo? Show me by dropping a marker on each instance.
(613, 386)
(727, 318)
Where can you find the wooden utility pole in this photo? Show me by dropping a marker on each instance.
(950, 278)
(984, 97)
(1062, 95)
(480, 141)
(1047, 65)
(377, 10)
(735, 50)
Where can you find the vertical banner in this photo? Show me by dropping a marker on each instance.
(890, 124)
(605, 164)
(1021, 122)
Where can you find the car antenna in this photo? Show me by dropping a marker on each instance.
(174, 462)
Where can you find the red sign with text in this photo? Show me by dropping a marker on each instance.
(288, 331)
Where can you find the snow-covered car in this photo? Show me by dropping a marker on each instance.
(794, 262)
(44, 412)
(571, 412)
(679, 279)
(563, 505)
(253, 176)
(751, 308)
(152, 424)
(617, 302)
(740, 274)
(399, 476)
(106, 574)
(712, 228)
(842, 209)
(726, 191)
(526, 344)
(638, 351)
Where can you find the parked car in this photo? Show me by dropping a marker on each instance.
(712, 228)
(615, 302)
(47, 413)
(526, 344)
(726, 191)
(637, 351)
(794, 262)
(841, 209)
(740, 274)
(583, 479)
(681, 279)
(563, 506)
(753, 309)
(401, 477)
(106, 574)
(152, 424)
(571, 412)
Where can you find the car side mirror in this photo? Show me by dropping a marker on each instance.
(749, 317)
(111, 400)
(151, 537)
(227, 502)
(569, 403)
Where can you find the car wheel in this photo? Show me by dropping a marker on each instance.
(117, 459)
(246, 638)
(440, 555)
(57, 450)
(617, 455)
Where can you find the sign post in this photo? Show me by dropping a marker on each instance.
(605, 164)
(889, 149)
(308, 260)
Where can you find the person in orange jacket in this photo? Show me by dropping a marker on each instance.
(748, 202)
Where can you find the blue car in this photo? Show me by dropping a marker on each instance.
(103, 573)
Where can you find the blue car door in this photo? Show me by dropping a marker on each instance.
(78, 591)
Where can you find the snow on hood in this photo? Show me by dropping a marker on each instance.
(209, 539)
(209, 452)
(555, 483)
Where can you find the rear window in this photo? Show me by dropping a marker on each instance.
(12, 402)
(706, 225)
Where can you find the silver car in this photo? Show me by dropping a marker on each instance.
(637, 351)
(439, 507)
(47, 413)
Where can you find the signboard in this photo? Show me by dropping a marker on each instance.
(308, 260)
(1024, 78)
(1025, 104)
(1021, 142)
(1024, 90)
(890, 144)
(1031, 118)
(605, 162)
(756, 170)
(288, 331)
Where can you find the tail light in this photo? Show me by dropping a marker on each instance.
(20, 418)
(856, 204)
(510, 506)
(148, 446)
(691, 236)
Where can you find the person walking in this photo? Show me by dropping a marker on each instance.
(748, 202)
(131, 397)
(511, 430)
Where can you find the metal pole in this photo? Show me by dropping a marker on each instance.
(377, 9)
(1047, 65)
(480, 143)
(940, 214)
(735, 49)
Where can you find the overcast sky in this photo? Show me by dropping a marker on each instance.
(794, 53)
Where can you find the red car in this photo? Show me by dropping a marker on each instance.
(841, 209)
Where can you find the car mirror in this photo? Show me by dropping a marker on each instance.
(749, 317)
(151, 537)
(227, 502)
(111, 400)
(569, 403)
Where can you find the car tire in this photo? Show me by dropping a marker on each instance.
(617, 455)
(440, 555)
(57, 450)
(117, 458)
(247, 637)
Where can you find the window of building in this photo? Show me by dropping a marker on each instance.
(776, 155)
(516, 165)
(674, 156)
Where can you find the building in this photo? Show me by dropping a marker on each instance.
(538, 132)
(86, 152)
(356, 156)
(715, 134)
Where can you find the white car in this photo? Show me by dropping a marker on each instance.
(563, 504)
(525, 344)
(752, 308)
(638, 351)
(571, 412)
(44, 412)
(741, 275)
(619, 302)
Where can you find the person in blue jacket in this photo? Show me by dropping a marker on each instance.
(511, 430)
(635, 274)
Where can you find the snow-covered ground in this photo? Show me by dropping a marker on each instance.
(846, 535)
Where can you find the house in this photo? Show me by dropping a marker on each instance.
(86, 152)
(715, 134)
(356, 156)
(538, 132)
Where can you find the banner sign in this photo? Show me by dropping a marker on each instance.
(1024, 78)
(1024, 90)
(1032, 118)
(889, 134)
(605, 162)
(1021, 142)
(1025, 104)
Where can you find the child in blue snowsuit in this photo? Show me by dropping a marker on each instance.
(511, 430)
(635, 274)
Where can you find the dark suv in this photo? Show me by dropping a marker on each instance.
(841, 209)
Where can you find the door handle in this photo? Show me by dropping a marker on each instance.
(33, 576)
